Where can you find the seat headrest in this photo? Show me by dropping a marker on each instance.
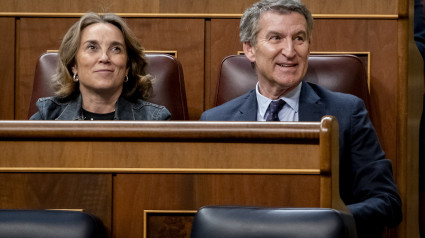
(339, 73)
(50, 223)
(255, 222)
(168, 88)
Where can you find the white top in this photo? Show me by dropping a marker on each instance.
(289, 111)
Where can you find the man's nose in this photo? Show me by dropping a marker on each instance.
(287, 48)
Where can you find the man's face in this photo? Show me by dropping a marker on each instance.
(281, 52)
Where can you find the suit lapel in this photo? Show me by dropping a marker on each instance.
(248, 109)
(311, 107)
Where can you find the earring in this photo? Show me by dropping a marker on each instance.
(126, 79)
(75, 78)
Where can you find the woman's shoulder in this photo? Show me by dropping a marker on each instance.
(50, 108)
(141, 110)
(139, 103)
(151, 110)
(52, 102)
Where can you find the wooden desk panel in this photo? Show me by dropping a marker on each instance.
(159, 146)
(145, 178)
(89, 192)
(131, 156)
(165, 194)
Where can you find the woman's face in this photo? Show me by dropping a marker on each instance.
(101, 61)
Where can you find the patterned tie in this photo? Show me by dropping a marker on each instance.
(274, 108)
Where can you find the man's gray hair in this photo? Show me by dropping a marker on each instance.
(248, 28)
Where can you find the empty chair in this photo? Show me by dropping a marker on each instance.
(50, 224)
(169, 89)
(339, 73)
(254, 222)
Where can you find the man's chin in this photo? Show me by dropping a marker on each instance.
(287, 80)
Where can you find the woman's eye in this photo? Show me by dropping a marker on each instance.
(116, 49)
(91, 47)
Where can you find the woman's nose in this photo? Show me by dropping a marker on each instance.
(104, 57)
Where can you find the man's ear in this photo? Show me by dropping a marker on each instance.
(249, 51)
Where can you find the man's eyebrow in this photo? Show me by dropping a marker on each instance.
(301, 32)
(273, 33)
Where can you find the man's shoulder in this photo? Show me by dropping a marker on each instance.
(228, 110)
(332, 96)
(341, 105)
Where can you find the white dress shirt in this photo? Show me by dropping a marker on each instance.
(289, 111)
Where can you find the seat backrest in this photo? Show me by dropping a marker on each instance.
(254, 222)
(50, 223)
(339, 73)
(169, 89)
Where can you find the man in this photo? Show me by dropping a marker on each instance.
(276, 38)
(419, 33)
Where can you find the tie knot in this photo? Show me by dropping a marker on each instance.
(274, 108)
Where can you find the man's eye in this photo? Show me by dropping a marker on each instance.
(300, 38)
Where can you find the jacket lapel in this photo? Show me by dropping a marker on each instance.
(311, 107)
(248, 108)
(124, 110)
(73, 110)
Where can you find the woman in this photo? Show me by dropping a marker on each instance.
(100, 75)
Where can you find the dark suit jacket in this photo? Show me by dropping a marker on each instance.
(419, 33)
(366, 181)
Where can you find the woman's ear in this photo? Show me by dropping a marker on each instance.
(74, 69)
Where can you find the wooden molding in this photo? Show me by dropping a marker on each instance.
(195, 15)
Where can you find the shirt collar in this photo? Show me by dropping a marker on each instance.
(291, 98)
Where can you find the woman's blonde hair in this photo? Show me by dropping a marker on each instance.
(139, 84)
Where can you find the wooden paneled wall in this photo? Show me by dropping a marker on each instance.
(186, 36)
(196, 6)
(204, 32)
(7, 67)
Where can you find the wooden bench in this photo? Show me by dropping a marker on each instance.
(148, 178)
